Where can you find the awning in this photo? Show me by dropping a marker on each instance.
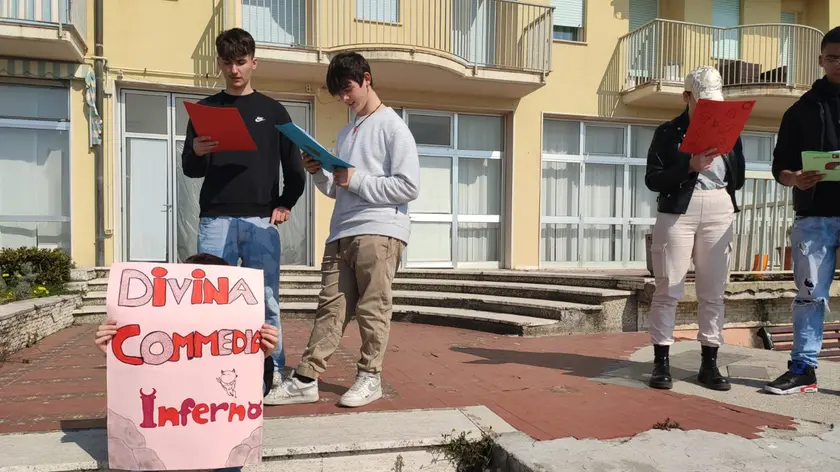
(36, 69)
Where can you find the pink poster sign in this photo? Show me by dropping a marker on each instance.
(185, 367)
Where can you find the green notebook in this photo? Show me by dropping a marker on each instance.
(826, 162)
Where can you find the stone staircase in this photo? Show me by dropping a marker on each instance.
(500, 301)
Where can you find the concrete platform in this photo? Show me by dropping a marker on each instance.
(667, 451)
(327, 442)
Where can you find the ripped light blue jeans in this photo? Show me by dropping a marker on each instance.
(257, 242)
(814, 241)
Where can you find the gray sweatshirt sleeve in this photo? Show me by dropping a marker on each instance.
(403, 185)
(324, 181)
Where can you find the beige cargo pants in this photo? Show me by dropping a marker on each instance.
(356, 277)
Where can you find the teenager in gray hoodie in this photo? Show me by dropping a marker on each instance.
(369, 230)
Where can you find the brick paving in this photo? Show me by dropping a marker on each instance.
(540, 386)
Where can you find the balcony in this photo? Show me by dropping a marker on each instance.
(477, 47)
(53, 30)
(773, 64)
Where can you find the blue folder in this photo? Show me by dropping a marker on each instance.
(307, 144)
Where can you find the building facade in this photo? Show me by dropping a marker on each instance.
(532, 119)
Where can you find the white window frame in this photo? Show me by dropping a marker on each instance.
(624, 222)
(453, 217)
(360, 12)
(45, 124)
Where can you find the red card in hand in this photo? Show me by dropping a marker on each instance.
(223, 125)
(716, 124)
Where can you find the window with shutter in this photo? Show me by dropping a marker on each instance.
(641, 43)
(568, 19)
(386, 11)
(642, 12)
(786, 51)
(726, 14)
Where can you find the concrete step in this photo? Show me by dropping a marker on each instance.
(483, 275)
(90, 314)
(391, 440)
(575, 320)
(498, 323)
(550, 309)
(569, 293)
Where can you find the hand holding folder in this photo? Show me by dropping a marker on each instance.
(307, 144)
(223, 125)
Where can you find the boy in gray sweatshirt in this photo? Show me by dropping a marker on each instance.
(369, 230)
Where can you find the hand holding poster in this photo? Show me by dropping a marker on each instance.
(716, 124)
(185, 367)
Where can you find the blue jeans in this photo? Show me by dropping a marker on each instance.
(814, 241)
(257, 242)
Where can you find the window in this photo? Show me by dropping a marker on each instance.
(456, 220)
(597, 210)
(758, 147)
(386, 11)
(568, 19)
(594, 202)
(280, 22)
(726, 44)
(34, 167)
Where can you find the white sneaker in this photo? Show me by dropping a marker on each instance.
(366, 389)
(291, 391)
(277, 379)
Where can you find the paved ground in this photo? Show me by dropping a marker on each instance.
(541, 386)
(371, 441)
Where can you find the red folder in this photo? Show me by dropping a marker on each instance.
(716, 124)
(223, 124)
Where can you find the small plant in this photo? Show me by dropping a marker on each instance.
(32, 273)
(399, 463)
(469, 455)
(22, 291)
(667, 425)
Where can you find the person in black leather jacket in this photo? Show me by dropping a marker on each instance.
(696, 211)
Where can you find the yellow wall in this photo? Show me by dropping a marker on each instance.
(82, 181)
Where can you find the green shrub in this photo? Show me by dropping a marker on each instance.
(23, 291)
(48, 267)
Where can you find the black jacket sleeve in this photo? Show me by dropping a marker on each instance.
(787, 155)
(194, 166)
(740, 164)
(294, 175)
(667, 168)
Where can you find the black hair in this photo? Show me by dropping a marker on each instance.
(235, 43)
(832, 37)
(205, 259)
(345, 67)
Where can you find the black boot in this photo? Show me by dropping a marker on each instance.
(709, 374)
(661, 376)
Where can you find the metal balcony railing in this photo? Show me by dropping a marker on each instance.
(762, 228)
(64, 13)
(497, 34)
(664, 51)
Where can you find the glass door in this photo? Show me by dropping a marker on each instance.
(147, 178)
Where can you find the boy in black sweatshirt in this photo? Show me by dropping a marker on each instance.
(811, 124)
(240, 197)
